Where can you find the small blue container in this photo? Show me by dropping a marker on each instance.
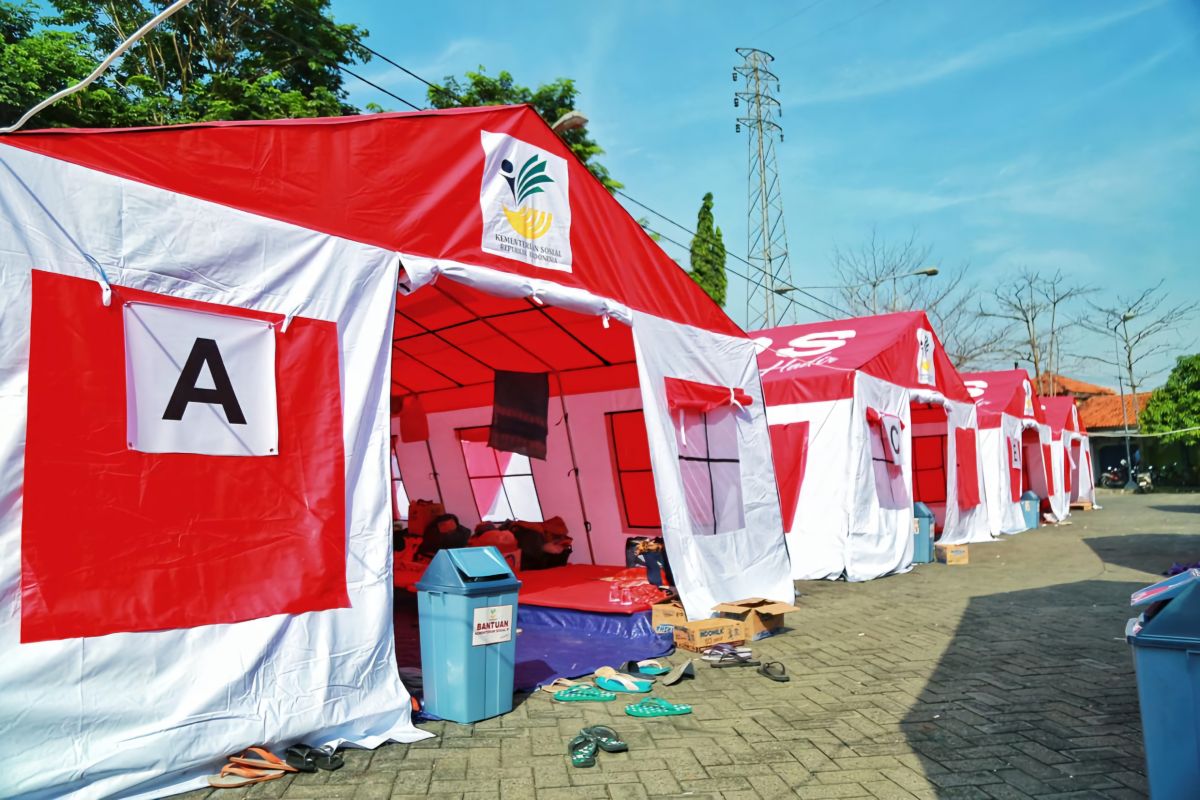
(467, 607)
(923, 521)
(1031, 507)
(1166, 657)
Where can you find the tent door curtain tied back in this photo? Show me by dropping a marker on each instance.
(288, 347)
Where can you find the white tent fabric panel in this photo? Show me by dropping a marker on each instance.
(712, 568)
(152, 712)
(1004, 515)
(963, 525)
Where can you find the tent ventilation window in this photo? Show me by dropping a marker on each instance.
(631, 462)
(711, 468)
(502, 483)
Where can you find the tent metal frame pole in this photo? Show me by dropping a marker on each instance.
(562, 401)
(434, 473)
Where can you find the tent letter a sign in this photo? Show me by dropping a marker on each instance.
(198, 382)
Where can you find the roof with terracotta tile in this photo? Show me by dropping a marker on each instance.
(1049, 383)
(1104, 412)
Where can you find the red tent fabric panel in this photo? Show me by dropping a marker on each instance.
(1048, 466)
(414, 425)
(967, 467)
(701, 398)
(171, 540)
(1016, 475)
(789, 450)
(408, 182)
(929, 468)
(631, 462)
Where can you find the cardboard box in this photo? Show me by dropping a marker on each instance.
(704, 633)
(760, 617)
(952, 553)
(666, 615)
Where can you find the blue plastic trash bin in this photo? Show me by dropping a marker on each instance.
(1031, 507)
(1166, 658)
(467, 607)
(923, 521)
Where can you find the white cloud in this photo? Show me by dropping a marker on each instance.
(892, 77)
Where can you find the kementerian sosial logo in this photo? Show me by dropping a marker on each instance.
(525, 203)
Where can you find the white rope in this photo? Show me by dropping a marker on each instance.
(96, 73)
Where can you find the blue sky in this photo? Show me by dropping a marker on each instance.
(1007, 134)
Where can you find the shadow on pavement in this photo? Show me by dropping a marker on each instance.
(1183, 509)
(1148, 552)
(1035, 693)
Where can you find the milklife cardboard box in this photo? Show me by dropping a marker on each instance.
(759, 616)
(704, 633)
(952, 554)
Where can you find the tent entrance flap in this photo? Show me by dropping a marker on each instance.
(930, 457)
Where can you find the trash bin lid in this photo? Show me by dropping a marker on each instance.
(468, 571)
(921, 510)
(1177, 625)
(1166, 589)
(1031, 496)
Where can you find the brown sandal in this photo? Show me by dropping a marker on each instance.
(258, 758)
(232, 776)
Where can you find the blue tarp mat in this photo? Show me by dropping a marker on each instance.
(552, 643)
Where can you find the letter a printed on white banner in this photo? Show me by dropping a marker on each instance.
(197, 382)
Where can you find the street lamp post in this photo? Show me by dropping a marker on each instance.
(927, 271)
(1130, 483)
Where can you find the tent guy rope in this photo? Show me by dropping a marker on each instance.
(99, 70)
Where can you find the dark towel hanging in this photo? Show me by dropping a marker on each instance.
(520, 409)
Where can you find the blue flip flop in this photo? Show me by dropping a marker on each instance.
(613, 681)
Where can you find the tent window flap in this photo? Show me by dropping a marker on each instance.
(631, 461)
(501, 482)
(710, 466)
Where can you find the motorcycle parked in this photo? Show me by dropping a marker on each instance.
(1114, 477)
(1145, 481)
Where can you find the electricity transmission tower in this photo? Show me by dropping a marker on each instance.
(766, 238)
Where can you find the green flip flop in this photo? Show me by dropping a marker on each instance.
(582, 750)
(608, 739)
(656, 707)
(583, 693)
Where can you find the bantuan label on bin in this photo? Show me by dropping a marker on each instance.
(493, 624)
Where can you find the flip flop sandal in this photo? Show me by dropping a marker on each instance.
(259, 758)
(715, 652)
(307, 759)
(608, 678)
(648, 667)
(608, 739)
(582, 750)
(685, 670)
(656, 707)
(559, 684)
(232, 776)
(581, 693)
(775, 670)
(734, 660)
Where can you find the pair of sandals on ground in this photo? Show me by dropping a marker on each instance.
(637, 678)
(727, 655)
(257, 765)
(589, 741)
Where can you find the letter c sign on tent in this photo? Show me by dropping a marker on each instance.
(198, 382)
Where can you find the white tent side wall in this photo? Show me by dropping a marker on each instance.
(963, 525)
(155, 711)
(1087, 475)
(712, 568)
(817, 537)
(880, 540)
(1060, 499)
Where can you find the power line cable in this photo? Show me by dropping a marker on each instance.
(737, 274)
(344, 69)
(844, 22)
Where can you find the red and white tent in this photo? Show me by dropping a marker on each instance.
(868, 416)
(1014, 445)
(202, 343)
(1071, 456)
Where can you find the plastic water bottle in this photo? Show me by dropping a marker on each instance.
(614, 593)
(626, 596)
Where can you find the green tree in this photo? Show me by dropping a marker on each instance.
(217, 59)
(708, 254)
(35, 61)
(550, 100)
(1177, 404)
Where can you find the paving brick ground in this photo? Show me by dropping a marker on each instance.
(1005, 678)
